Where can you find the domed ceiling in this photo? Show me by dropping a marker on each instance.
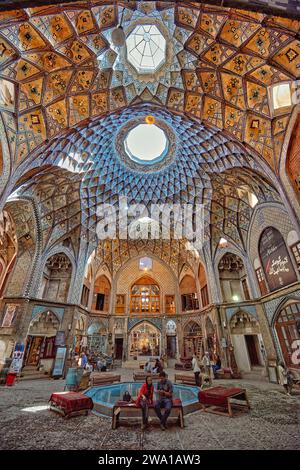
(69, 94)
(62, 69)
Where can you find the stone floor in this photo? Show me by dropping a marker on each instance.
(273, 423)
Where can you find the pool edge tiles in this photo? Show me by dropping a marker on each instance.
(104, 408)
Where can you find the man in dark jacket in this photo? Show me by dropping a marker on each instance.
(165, 393)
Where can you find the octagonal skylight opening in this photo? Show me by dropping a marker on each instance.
(146, 144)
(146, 48)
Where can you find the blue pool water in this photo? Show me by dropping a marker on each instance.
(107, 395)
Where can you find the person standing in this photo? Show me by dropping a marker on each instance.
(157, 369)
(144, 399)
(283, 378)
(206, 362)
(217, 366)
(165, 393)
(148, 367)
(83, 360)
(196, 370)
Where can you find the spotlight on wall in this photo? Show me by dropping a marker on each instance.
(235, 298)
(150, 119)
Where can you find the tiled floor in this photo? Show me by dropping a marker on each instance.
(273, 423)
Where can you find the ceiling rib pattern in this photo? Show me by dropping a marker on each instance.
(208, 168)
(59, 70)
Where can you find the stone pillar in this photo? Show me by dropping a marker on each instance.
(76, 285)
(251, 276)
(212, 286)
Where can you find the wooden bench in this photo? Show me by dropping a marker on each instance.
(101, 378)
(185, 378)
(140, 376)
(219, 400)
(189, 379)
(134, 411)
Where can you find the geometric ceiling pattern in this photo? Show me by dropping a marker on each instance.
(66, 93)
(115, 253)
(58, 69)
(208, 168)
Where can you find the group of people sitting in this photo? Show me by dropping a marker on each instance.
(145, 399)
(99, 362)
(209, 368)
(156, 369)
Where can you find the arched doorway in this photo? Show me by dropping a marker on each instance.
(144, 340)
(40, 347)
(145, 296)
(193, 340)
(247, 341)
(97, 338)
(287, 326)
(233, 278)
(101, 294)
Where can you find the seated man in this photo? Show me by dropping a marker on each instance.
(148, 367)
(165, 392)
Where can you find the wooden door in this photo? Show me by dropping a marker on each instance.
(119, 348)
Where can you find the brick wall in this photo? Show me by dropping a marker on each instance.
(131, 272)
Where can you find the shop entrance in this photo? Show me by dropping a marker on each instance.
(144, 340)
(40, 344)
(251, 348)
(34, 349)
(119, 348)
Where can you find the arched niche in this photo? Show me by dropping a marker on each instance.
(145, 296)
(193, 339)
(188, 293)
(57, 278)
(40, 342)
(97, 338)
(144, 341)
(287, 327)
(233, 278)
(101, 294)
(247, 340)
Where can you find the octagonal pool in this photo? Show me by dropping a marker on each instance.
(105, 396)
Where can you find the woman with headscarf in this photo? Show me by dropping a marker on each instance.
(144, 399)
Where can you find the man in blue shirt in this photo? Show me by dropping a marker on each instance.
(165, 393)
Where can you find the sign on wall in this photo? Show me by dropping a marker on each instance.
(275, 259)
(59, 362)
(17, 359)
(60, 339)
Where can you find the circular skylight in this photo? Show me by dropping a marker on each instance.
(146, 144)
(146, 48)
